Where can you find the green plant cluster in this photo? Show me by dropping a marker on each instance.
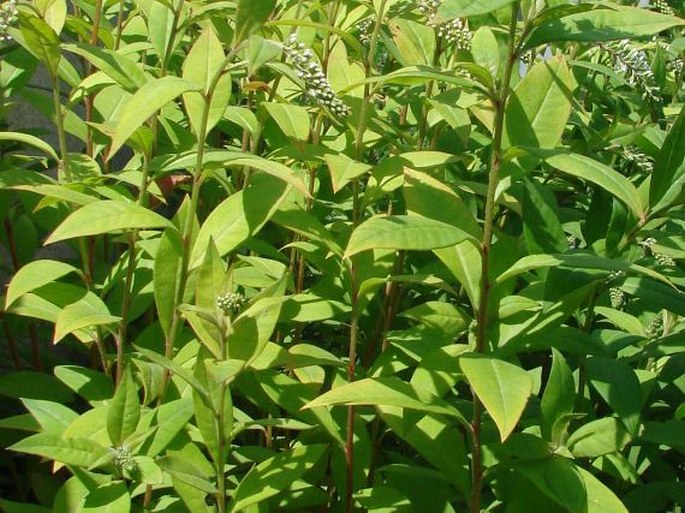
(343, 255)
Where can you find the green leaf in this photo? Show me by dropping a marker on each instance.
(385, 392)
(108, 498)
(415, 42)
(657, 295)
(176, 369)
(34, 385)
(502, 387)
(123, 411)
(41, 41)
(601, 175)
(240, 216)
(292, 119)
(617, 384)
(171, 419)
(485, 50)
(34, 275)
(31, 140)
(559, 479)
(343, 169)
(428, 197)
(542, 228)
(122, 69)
(274, 475)
(602, 24)
(184, 470)
(383, 499)
(600, 499)
(450, 9)
(82, 314)
(106, 216)
(81, 452)
(165, 276)
(557, 401)
(250, 17)
(582, 261)
(597, 438)
(669, 166)
(403, 232)
(16, 507)
(52, 417)
(144, 104)
(88, 383)
(538, 109)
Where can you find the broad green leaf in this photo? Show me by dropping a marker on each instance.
(415, 42)
(123, 411)
(187, 472)
(558, 400)
(106, 216)
(144, 103)
(171, 419)
(250, 17)
(292, 119)
(485, 50)
(582, 261)
(34, 275)
(240, 216)
(166, 275)
(542, 228)
(502, 387)
(538, 109)
(464, 262)
(559, 479)
(243, 117)
(383, 499)
(600, 499)
(668, 433)
(601, 175)
(31, 140)
(88, 383)
(403, 232)
(274, 475)
(597, 438)
(81, 452)
(384, 392)
(437, 314)
(602, 24)
(108, 498)
(669, 166)
(657, 295)
(253, 327)
(343, 169)
(82, 314)
(122, 69)
(617, 383)
(41, 41)
(428, 197)
(450, 9)
(52, 417)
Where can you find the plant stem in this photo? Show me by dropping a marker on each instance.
(89, 71)
(486, 244)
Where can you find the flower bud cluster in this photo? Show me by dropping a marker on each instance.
(455, 31)
(617, 297)
(676, 66)
(655, 328)
(662, 7)
(8, 15)
(364, 28)
(316, 83)
(230, 302)
(632, 63)
(123, 459)
(663, 259)
(636, 159)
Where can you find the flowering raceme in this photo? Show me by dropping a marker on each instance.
(631, 63)
(455, 31)
(315, 81)
(8, 15)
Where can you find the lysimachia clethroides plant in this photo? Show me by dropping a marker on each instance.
(338, 256)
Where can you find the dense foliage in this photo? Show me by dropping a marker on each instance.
(343, 255)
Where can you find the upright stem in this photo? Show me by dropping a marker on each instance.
(486, 243)
(61, 133)
(89, 71)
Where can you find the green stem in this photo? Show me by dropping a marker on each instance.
(486, 244)
(61, 132)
